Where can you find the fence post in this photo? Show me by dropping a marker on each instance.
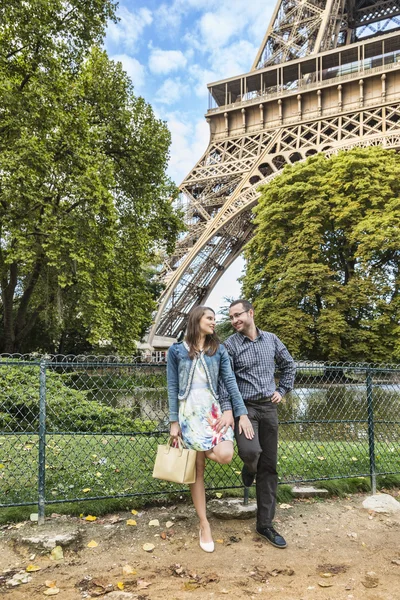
(371, 432)
(42, 443)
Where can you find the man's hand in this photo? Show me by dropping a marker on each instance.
(226, 420)
(276, 397)
(246, 427)
(174, 430)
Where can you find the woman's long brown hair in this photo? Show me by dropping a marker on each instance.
(193, 333)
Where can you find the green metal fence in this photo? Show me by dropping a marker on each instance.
(75, 427)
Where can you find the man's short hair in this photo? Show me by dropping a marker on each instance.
(246, 304)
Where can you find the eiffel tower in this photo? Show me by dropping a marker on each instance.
(326, 78)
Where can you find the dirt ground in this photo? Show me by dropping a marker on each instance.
(336, 550)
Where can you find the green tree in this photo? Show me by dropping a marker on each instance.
(323, 266)
(85, 204)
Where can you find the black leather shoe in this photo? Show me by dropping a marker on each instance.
(272, 536)
(247, 477)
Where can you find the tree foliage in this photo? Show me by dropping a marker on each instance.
(85, 205)
(323, 266)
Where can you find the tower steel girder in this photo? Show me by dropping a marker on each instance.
(323, 101)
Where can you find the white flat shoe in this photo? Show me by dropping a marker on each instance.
(206, 546)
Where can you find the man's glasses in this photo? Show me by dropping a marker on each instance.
(236, 315)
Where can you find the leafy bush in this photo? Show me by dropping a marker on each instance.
(66, 409)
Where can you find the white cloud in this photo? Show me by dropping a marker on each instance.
(134, 68)
(189, 142)
(129, 29)
(216, 28)
(166, 61)
(171, 91)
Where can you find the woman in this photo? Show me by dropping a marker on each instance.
(193, 369)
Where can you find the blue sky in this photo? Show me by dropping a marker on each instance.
(171, 50)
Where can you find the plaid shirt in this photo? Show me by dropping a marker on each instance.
(253, 363)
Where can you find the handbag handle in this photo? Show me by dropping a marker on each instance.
(181, 444)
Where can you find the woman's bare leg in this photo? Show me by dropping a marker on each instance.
(199, 498)
(222, 453)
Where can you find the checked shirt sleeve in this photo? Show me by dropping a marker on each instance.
(286, 365)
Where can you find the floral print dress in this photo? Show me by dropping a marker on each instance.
(198, 414)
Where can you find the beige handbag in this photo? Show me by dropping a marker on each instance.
(175, 464)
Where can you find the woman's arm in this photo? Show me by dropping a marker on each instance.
(229, 381)
(172, 384)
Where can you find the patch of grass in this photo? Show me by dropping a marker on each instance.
(86, 467)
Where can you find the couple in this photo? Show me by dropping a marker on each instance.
(207, 402)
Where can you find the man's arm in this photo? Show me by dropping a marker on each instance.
(286, 366)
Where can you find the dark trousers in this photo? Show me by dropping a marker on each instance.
(260, 456)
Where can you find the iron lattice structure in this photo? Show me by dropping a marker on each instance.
(326, 78)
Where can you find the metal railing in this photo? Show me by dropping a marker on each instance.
(79, 428)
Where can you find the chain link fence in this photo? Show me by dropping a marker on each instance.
(79, 427)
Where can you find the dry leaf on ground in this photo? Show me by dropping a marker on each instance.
(131, 522)
(92, 544)
(57, 553)
(154, 523)
(32, 568)
(53, 591)
(50, 584)
(90, 518)
(128, 570)
(142, 584)
(148, 547)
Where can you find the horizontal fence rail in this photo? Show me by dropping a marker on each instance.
(87, 427)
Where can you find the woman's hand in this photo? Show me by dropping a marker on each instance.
(225, 420)
(246, 427)
(175, 430)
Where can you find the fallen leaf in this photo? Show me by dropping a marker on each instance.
(90, 518)
(131, 522)
(98, 474)
(326, 575)
(396, 561)
(134, 512)
(86, 490)
(163, 535)
(218, 495)
(154, 523)
(142, 584)
(32, 568)
(189, 586)
(128, 570)
(325, 583)
(103, 584)
(371, 580)
(92, 544)
(220, 541)
(120, 585)
(224, 591)
(57, 553)
(148, 547)
(18, 579)
(168, 524)
(51, 591)
(50, 584)
(285, 506)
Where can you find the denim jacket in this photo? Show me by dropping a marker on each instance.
(180, 371)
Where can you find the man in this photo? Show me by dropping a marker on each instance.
(254, 354)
